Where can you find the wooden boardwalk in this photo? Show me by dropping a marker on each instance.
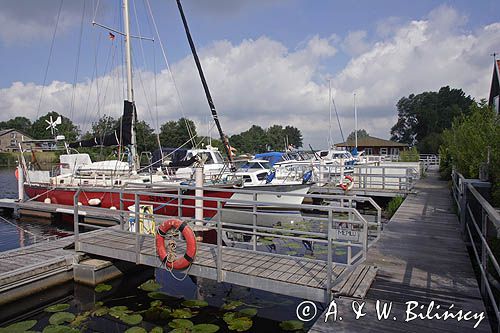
(289, 275)
(420, 257)
(23, 269)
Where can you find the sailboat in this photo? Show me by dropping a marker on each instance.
(77, 171)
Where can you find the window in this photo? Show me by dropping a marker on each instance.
(368, 151)
(394, 151)
(247, 179)
(262, 176)
(383, 151)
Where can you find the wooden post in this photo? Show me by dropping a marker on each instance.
(20, 183)
(254, 221)
(198, 215)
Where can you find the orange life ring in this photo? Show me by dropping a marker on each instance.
(347, 183)
(187, 233)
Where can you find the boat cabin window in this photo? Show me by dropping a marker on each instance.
(323, 153)
(247, 179)
(208, 156)
(218, 157)
(262, 176)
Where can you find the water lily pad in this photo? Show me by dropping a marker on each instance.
(80, 319)
(156, 303)
(291, 325)
(205, 328)
(182, 313)
(133, 319)
(136, 329)
(19, 327)
(195, 303)
(99, 312)
(157, 313)
(240, 324)
(57, 308)
(102, 287)
(157, 329)
(150, 285)
(61, 317)
(180, 330)
(59, 329)
(249, 312)
(157, 295)
(121, 308)
(232, 305)
(181, 323)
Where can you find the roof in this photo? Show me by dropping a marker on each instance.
(371, 141)
(6, 131)
(495, 82)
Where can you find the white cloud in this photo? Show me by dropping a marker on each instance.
(355, 43)
(263, 82)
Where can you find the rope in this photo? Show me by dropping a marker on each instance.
(50, 56)
(171, 256)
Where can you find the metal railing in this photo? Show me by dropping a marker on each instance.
(480, 225)
(347, 235)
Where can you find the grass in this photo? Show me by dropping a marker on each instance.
(393, 206)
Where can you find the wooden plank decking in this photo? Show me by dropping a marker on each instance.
(420, 257)
(288, 275)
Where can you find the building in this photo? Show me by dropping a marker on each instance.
(10, 139)
(374, 146)
(494, 100)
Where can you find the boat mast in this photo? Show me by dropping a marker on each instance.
(130, 88)
(205, 85)
(330, 114)
(355, 123)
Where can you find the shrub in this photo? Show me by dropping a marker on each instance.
(393, 205)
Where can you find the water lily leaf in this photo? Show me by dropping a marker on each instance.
(180, 330)
(102, 287)
(80, 319)
(19, 327)
(59, 329)
(157, 329)
(131, 319)
(229, 316)
(205, 328)
(99, 304)
(150, 285)
(249, 312)
(136, 329)
(61, 317)
(240, 324)
(154, 304)
(181, 323)
(120, 308)
(291, 325)
(157, 313)
(195, 303)
(182, 313)
(232, 305)
(100, 311)
(157, 295)
(57, 308)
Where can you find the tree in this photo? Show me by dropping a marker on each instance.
(146, 138)
(294, 136)
(428, 113)
(66, 128)
(176, 134)
(22, 124)
(471, 141)
(362, 133)
(252, 140)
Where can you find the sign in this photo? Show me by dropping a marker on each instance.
(346, 235)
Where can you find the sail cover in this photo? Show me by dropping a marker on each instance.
(113, 139)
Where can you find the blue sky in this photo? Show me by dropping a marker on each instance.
(266, 61)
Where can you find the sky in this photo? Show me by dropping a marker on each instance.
(266, 61)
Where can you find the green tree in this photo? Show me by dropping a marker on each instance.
(252, 140)
(362, 133)
(176, 133)
(470, 142)
(146, 138)
(22, 124)
(66, 128)
(104, 125)
(294, 136)
(428, 114)
(276, 139)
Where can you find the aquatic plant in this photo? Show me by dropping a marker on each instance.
(57, 308)
(231, 305)
(150, 285)
(183, 313)
(181, 323)
(194, 303)
(61, 317)
(291, 325)
(102, 287)
(59, 329)
(136, 329)
(393, 205)
(19, 327)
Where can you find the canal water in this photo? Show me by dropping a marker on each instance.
(92, 311)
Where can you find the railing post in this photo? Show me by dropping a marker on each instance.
(462, 188)
(254, 221)
(122, 214)
(179, 202)
(329, 258)
(383, 177)
(76, 220)
(137, 221)
(484, 256)
(219, 243)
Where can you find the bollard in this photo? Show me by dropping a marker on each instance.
(20, 183)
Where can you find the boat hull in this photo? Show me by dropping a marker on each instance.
(288, 195)
(167, 204)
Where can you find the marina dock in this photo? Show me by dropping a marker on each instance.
(421, 257)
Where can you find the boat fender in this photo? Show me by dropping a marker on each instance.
(94, 202)
(47, 200)
(161, 250)
(112, 208)
(270, 176)
(306, 177)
